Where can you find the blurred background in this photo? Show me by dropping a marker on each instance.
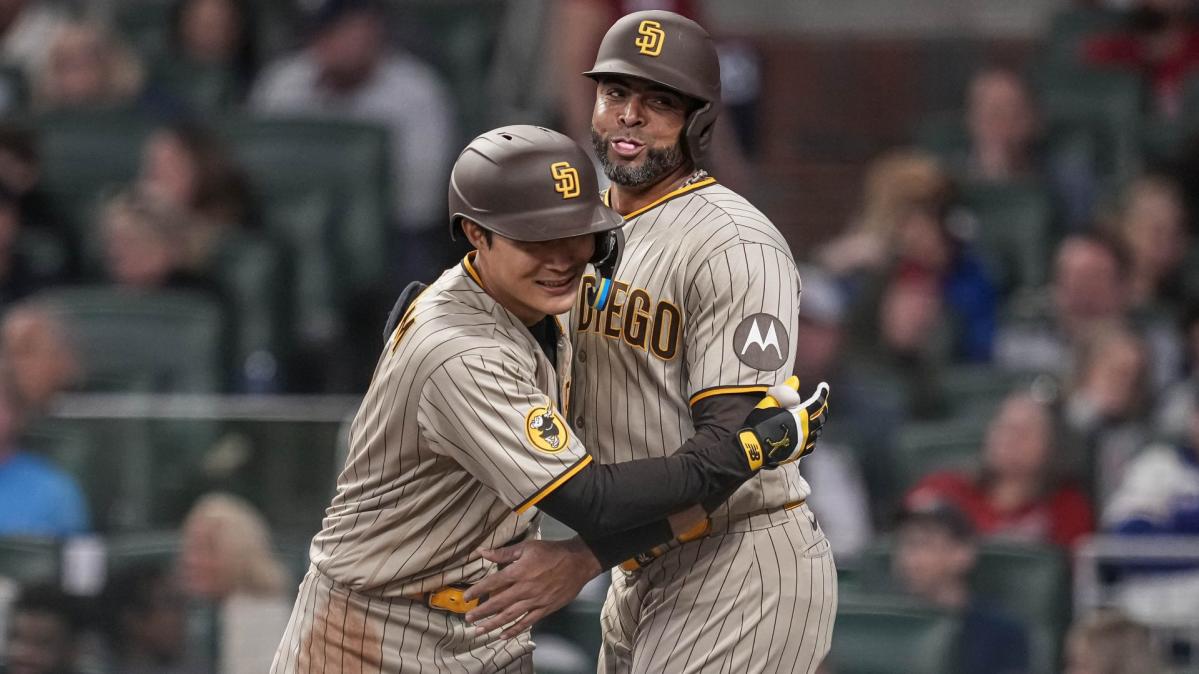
(208, 206)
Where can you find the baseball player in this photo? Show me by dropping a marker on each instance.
(462, 431)
(700, 320)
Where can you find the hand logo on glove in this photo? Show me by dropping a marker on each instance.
(780, 418)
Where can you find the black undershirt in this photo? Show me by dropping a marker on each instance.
(545, 332)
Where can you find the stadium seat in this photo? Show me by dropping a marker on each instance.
(164, 342)
(1012, 225)
(458, 38)
(136, 548)
(1106, 103)
(922, 447)
(256, 277)
(288, 158)
(144, 25)
(29, 560)
(879, 635)
(14, 89)
(944, 135)
(1070, 28)
(87, 155)
(204, 89)
(1029, 582)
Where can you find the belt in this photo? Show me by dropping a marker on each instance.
(447, 598)
(704, 528)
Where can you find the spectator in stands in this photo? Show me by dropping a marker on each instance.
(1016, 493)
(87, 68)
(150, 245)
(217, 33)
(935, 552)
(145, 615)
(41, 360)
(842, 503)
(1007, 144)
(36, 497)
(1161, 40)
(348, 70)
(189, 170)
(1106, 407)
(27, 28)
(1160, 490)
(227, 562)
(1003, 126)
(227, 551)
(1090, 288)
(1152, 226)
(44, 629)
(1107, 642)
(912, 278)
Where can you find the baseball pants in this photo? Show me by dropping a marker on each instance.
(334, 630)
(758, 597)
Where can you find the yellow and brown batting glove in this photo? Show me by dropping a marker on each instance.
(783, 428)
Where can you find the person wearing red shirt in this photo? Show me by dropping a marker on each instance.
(1161, 40)
(1015, 494)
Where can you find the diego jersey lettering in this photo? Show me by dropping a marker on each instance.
(705, 303)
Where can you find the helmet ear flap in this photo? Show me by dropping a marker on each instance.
(698, 133)
(609, 248)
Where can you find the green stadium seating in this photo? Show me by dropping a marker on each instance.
(203, 88)
(944, 135)
(1069, 30)
(14, 88)
(137, 548)
(144, 25)
(86, 156)
(255, 276)
(458, 38)
(922, 447)
(1014, 230)
(30, 560)
(1030, 582)
(170, 341)
(289, 158)
(880, 635)
(1106, 103)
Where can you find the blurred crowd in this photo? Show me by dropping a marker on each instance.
(1009, 322)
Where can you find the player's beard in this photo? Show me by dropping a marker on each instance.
(658, 163)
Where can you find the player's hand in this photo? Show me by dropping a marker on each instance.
(783, 428)
(539, 578)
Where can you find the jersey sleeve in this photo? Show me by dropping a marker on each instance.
(479, 410)
(742, 309)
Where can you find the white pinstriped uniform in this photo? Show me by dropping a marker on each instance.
(456, 439)
(706, 302)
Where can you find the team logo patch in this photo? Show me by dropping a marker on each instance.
(566, 179)
(546, 430)
(650, 37)
(761, 342)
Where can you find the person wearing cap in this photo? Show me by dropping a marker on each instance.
(461, 439)
(935, 553)
(701, 317)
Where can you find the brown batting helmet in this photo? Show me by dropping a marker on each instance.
(529, 183)
(673, 51)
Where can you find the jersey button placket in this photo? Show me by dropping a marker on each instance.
(582, 356)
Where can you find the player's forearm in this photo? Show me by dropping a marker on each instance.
(615, 548)
(602, 500)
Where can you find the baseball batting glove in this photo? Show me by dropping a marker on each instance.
(782, 428)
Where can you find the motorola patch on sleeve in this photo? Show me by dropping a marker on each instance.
(761, 342)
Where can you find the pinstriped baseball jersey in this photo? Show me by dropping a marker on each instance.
(705, 302)
(457, 438)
